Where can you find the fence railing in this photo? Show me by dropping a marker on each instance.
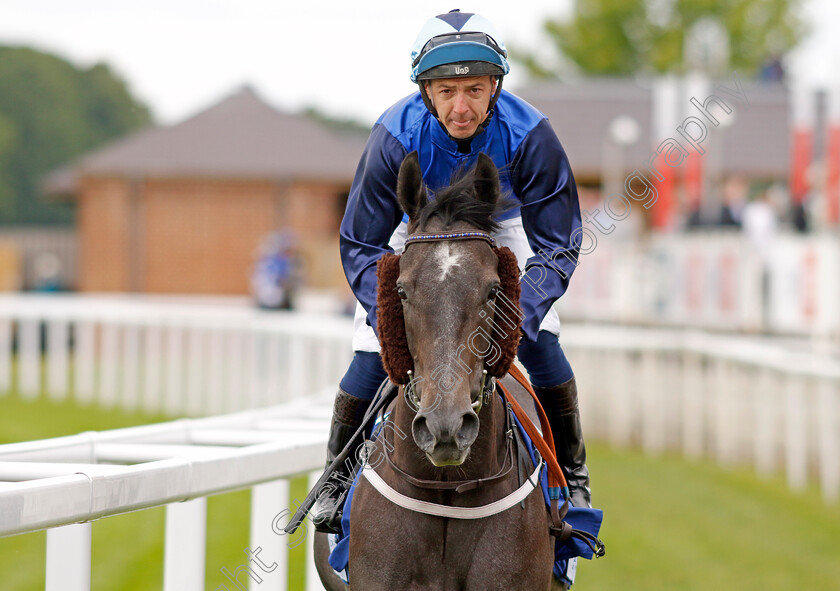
(63, 484)
(177, 356)
(738, 400)
(710, 280)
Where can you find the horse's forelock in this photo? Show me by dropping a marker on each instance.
(459, 202)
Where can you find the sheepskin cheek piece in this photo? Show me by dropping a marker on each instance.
(394, 346)
(389, 317)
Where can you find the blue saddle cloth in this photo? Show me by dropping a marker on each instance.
(581, 518)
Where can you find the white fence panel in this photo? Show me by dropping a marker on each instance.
(184, 549)
(735, 399)
(711, 280)
(68, 558)
(65, 483)
(6, 359)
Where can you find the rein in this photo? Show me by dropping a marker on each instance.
(544, 442)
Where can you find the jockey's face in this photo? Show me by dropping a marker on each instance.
(461, 103)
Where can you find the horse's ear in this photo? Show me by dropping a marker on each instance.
(486, 179)
(411, 193)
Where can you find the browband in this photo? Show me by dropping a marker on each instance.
(450, 236)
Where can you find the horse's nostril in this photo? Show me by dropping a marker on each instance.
(422, 434)
(469, 430)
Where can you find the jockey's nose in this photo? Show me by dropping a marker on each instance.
(434, 431)
(460, 103)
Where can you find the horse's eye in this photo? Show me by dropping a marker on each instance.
(494, 291)
(401, 293)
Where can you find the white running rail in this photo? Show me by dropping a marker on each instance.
(63, 484)
(175, 356)
(738, 400)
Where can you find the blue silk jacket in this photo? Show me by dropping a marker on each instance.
(534, 173)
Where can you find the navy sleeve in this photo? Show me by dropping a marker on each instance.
(542, 178)
(371, 216)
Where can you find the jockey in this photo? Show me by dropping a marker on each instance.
(458, 62)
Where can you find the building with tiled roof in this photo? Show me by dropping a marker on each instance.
(182, 209)
(754, 141)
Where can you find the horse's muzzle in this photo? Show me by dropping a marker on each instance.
(446, 438)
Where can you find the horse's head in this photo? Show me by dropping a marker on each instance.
(448, 294)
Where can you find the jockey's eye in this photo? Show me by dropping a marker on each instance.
(401, 292)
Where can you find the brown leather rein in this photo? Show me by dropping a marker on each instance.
(544, 442)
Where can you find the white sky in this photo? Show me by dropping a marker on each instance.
(349, 58)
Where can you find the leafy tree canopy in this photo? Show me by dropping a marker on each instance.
(51, 112)
(342, 125)
(624, 37)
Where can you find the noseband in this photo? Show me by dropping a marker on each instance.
(488, 387)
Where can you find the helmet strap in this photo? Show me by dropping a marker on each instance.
(426, 100)
(495, 94)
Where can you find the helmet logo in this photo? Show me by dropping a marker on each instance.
(462, 70)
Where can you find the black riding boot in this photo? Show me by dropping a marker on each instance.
(561, 407)
(348, 413)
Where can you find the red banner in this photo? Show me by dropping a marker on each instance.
(832, 180)
(800, 162)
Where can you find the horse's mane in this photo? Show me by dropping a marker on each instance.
(459, 202)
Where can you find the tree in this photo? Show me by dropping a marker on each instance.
(341, 125)
(50, 113)
(624, 37)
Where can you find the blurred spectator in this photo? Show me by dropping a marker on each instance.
(276, 276)
(47, 267)
(734, 199)
(760, 224)
(799, 217)
(772, 70)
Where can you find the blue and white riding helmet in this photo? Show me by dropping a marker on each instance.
(458, 44)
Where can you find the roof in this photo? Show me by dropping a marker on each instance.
(757, 143)
(244, 137)
(240, 137)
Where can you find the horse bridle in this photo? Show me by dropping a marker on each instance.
(488, 387)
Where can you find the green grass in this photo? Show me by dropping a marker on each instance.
(669, 524)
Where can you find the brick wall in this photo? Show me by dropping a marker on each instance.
(103, 216)
(200, 236)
